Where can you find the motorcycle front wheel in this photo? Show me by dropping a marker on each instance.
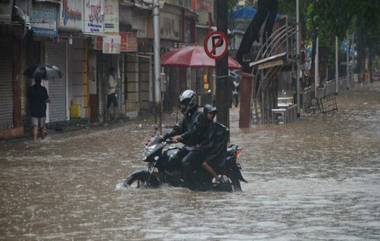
(141, 179)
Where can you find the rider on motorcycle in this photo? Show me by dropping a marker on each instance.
(190, 131)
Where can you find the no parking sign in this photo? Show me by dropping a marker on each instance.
(216, 45)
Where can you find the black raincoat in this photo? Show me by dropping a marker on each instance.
(215, 146)
(192, 128)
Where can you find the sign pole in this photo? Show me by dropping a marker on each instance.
(223, 87)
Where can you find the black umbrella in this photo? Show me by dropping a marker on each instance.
(46, 71)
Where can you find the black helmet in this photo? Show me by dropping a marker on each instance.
(188, 101)
(209, 109)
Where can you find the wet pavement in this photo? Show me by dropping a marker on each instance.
(316, 179)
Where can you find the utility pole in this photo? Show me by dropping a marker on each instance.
(298, 56)
(223, 86)
(157, 64)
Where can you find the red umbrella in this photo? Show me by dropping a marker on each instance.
(192, 56)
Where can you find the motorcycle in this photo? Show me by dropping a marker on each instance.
(163, 159)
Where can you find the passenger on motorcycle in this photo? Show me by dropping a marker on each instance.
(191, 130)
(210, 112)
(215, 145)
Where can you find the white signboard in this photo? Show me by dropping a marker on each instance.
(111, 16)
(111, 44)
(93, 16)
(70, 14)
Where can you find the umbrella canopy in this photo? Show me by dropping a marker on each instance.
(46, 71)
(194, 57)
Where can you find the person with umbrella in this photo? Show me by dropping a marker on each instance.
(38, 97)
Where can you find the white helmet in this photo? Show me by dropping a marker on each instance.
(188, 101)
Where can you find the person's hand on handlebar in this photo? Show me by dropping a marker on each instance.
(177, 138)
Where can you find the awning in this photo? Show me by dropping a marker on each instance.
(269, 62)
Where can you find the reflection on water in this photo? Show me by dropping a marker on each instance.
(317, 179)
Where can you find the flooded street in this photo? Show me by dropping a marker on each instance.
(316, 179)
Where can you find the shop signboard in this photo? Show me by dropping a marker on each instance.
(70, 15)
(111, 16)
(128, 42)
(111, 44)
(44, 20)
(93, 16)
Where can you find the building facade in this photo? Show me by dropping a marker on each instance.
(84, 38)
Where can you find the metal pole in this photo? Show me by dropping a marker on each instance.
(316, 75)
(298, 57)
(336, 65)
(157, 64)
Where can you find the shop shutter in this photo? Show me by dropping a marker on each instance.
(78, 91)
(56, 55)
(6, 94)
(132, 84)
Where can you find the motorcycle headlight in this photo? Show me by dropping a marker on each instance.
(149, 150)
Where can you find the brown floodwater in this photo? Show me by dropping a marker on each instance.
(315, 179)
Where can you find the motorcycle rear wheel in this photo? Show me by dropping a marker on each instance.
(237, 186)
(235, 180)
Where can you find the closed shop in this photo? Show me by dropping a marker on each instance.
(57, 88)
(131, 72)
(6, 94)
